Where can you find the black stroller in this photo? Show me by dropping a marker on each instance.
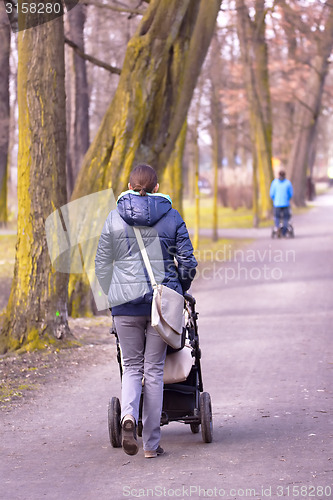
(277, 232)
(182, 402)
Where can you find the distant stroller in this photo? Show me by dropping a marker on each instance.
(182, 401)
(277, 231)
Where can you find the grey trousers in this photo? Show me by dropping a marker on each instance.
(143, 353)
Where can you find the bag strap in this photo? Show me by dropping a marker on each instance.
(145, 257)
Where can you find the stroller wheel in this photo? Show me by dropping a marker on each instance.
(195, 428)
(114, 412)
(206, 417)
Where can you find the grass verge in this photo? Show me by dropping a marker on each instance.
(227, 217)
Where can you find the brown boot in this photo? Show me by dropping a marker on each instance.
(129, 441)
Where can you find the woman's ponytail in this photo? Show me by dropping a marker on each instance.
(143, 179)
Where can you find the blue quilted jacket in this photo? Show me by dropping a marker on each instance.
(118, 264)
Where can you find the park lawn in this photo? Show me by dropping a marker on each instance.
(228, 217)
(242, 217)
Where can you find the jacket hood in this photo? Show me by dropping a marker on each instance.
(137, 210)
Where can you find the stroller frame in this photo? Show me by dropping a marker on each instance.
(182, 401)
(277, 232)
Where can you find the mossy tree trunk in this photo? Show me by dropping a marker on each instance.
(77, 97)
(4, 111)
(36, 313)
(146, 115)
(251, 34)
(160, 71)
(308, 111)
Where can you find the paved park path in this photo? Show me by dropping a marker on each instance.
(266, 324)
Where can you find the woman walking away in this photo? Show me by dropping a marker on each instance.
(123, 277)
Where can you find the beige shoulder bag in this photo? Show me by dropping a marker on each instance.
(167, 309)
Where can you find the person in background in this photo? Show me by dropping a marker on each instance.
(121, 273)
(281, 192)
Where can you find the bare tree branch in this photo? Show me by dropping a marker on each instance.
(113, 7)
(293, 18)
(92, 59)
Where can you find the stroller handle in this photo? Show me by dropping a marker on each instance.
(189, 298)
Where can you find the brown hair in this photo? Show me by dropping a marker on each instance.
(143, 179)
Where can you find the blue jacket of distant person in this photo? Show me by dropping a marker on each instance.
(281, 192)
(118, 264)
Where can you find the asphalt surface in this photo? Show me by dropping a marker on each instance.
(265, 327)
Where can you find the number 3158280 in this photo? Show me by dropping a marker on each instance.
(34, 8)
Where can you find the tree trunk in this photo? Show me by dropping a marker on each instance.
(77, 98)
(36, 314)
(172, 181)
(160, 71)
(216, 126)
(255, 207)
(162, 63)
(4, 111)
(286, 134)
(255, 63)
(197, 191)
(307, 113)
